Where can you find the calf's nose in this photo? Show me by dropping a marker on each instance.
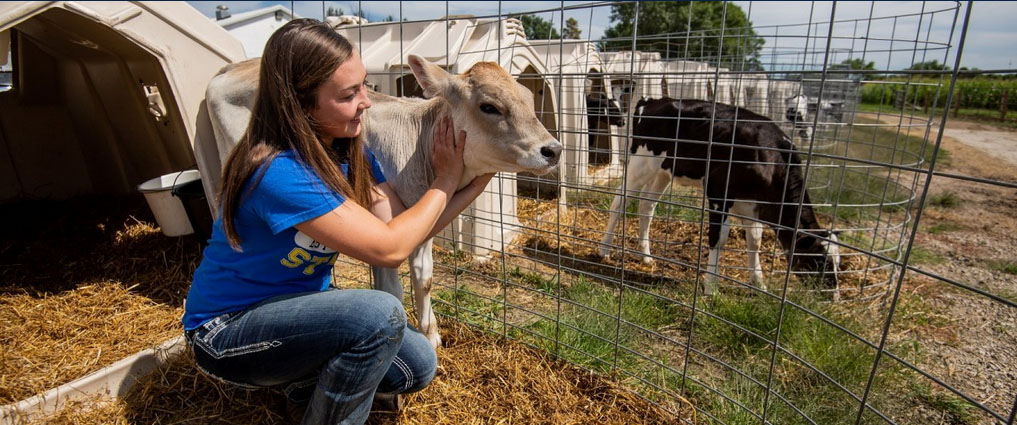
(551, 152)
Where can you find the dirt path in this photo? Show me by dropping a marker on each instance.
(1000, 144)
(992, 150)
(972, 346)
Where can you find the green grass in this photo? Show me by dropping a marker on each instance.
(944, 200)
(534, 280)
(987, 116)
(859, 197)
(591, 336)
(1005, 266)
(680, 203)
(589, 198)
(826, 348)
(916, 311)
(469, 307)
(955, 409)
(861, 191)
(920, 255)
(882, 143)
(590, 333)
(940, 228)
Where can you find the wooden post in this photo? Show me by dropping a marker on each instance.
(925, 106)
(1002, 105)
(957, 103)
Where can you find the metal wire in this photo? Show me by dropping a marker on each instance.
(868, 173)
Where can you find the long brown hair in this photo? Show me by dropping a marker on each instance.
(299, 57)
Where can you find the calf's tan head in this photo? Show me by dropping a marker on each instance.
(497, 112)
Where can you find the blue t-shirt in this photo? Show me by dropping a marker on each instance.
(276, 258)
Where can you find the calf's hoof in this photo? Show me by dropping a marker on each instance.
(434, 339)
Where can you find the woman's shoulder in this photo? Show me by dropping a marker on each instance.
(286, 165)
(286, 160)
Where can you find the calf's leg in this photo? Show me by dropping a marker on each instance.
(720, 228)
(638, 174)
(386, 279)
(753, 237)
(421, 273)
(652, 192)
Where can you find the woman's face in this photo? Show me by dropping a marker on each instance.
(341, 101)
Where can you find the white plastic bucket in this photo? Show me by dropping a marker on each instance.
(168, 210)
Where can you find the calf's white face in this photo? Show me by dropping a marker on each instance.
(503, 132)
(832, 249)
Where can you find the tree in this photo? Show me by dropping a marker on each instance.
(572, 29)
(857, 63)
(537, 28)
(390, 18)
(837, 70)
(665, 27)
(334, 12)
(932, 65)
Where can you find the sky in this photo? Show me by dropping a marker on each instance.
(991, 41)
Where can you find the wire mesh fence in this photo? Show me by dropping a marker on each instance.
(919, 324)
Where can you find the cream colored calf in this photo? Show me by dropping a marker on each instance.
(497, 113)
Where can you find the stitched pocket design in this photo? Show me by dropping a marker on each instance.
(212, 329)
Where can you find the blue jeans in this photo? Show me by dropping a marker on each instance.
(334, 348)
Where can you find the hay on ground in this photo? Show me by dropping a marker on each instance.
(84, 284)
(481, 380)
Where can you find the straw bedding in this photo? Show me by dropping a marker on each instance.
(82, 285)
(481, 380)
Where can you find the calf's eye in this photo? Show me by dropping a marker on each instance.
(488, 108)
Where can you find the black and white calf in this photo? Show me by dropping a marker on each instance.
(601, 113)
(796, 110)
(599, 107)
(754, 173)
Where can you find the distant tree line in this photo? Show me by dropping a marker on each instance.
(666, 27)
(538, 28)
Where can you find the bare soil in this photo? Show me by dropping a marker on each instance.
(972, 343)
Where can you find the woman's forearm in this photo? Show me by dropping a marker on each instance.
(459, 202)
(355, 231)
(416, 223)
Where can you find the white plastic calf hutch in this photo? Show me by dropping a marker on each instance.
(105, 94)
(634, 76)
(492, 220)
(576, 66)
(104, 97)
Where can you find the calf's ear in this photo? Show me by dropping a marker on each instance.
(431, 77)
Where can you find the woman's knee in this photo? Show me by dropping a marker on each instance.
(387, 312)
(414, 367)
(425, 371)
